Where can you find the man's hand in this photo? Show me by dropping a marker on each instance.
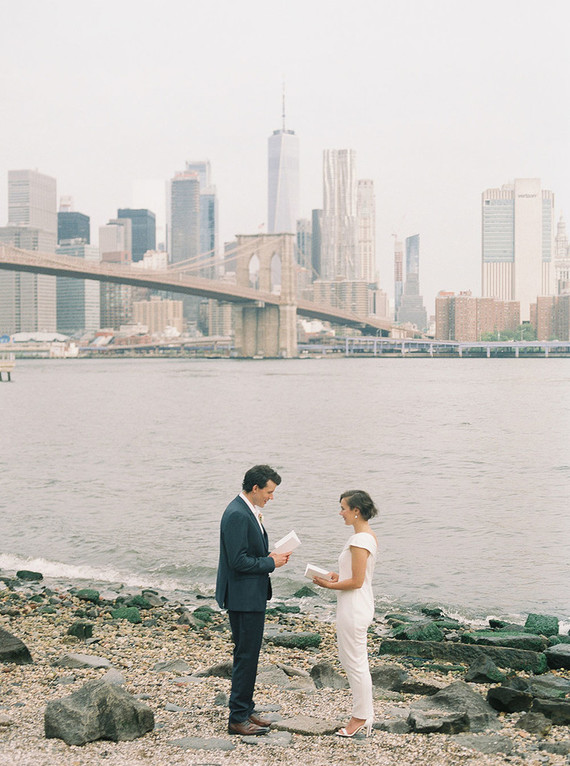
(280, 558)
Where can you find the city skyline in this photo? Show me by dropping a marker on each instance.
(433, 122)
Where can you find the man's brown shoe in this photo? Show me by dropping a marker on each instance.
(259, 721)
(247, 728)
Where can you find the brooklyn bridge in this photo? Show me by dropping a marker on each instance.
(264, 290)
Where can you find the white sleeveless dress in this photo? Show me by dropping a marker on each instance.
(355, 611)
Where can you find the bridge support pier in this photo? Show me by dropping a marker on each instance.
(267, 262)
(266, 331)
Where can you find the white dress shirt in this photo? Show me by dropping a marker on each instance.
(254, 509)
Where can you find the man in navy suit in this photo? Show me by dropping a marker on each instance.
(243, 588)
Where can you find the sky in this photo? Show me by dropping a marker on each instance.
(441, 99)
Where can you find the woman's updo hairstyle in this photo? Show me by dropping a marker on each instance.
(357, 498)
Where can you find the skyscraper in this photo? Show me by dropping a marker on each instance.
(185, 217)
(316, 242)
(28, 301)
(143, 230)
(70, 224)
(340, 221)
(561, 259)
(517, 242)
(412, 308)
(366, 213)
(209, 264)
(398, 275)
(282, 180)
(78, 300)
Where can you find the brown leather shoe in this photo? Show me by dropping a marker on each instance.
(246, 728)
(260, 721)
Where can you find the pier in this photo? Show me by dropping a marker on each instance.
(7, 364)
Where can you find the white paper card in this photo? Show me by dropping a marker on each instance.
(287, 543)
(314, 571)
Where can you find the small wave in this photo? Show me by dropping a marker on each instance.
(59, 570)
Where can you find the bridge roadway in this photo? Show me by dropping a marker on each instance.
(171, 280)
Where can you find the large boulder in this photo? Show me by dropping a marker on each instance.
(484, 671)
(543, 624)
(27, 574)
(300, 640)
(558, 656)
(12, 649)
(504, 657)
(419, 631)
(389, 677)
(459, 708)
(557, 710)
(98, 710)
(324, 675)
(500, 638)
(507, 699)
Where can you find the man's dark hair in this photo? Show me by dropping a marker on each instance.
(260, 475)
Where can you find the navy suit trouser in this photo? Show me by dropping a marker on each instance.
(247, 634)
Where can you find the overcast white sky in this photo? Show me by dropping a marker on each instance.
(440, 98)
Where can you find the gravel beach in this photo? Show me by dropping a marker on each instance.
(186, 705)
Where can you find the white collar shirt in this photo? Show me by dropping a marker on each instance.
(254, 509)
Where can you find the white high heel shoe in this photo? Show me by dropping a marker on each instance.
(367, 726)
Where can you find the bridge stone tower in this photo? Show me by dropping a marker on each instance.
(267, 263)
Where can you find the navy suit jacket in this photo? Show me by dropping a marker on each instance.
(243, 583)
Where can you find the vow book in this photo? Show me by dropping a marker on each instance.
(287, 543)
(313, 570)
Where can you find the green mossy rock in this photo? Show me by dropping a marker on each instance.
(419, 631)
(525, 641)
(88, 594)
(542, 624)
(302, 640)
(130, 613)
(304, 592)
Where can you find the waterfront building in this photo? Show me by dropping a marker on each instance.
(517, 242)
(71, 224)
(28, 301)
(78, 300)
(282, 180)
(366, 214)
(466, 318)
(158, 314)
(143, 230)
(550, 317)
(340, 221)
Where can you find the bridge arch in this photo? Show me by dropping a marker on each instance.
(275, 274)
(253, 271)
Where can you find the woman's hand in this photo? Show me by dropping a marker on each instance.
(326, 582)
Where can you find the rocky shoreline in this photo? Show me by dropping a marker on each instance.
(444, 693)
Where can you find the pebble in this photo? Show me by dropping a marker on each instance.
(198, 720)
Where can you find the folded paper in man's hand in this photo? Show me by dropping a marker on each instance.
(287, 543)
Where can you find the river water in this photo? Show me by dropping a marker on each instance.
(118, 470)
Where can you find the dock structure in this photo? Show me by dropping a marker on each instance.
(7, 363)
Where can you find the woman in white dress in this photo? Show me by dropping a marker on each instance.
(355, 605)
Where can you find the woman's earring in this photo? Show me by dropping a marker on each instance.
(355, 515)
